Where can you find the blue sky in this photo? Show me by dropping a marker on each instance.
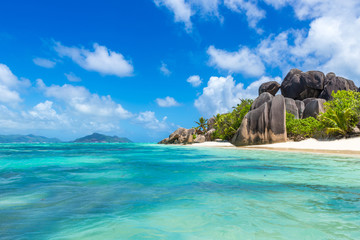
(142, 68)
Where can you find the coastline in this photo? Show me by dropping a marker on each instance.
(349, 146)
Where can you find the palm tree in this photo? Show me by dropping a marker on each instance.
(339, 121)
(202, 124)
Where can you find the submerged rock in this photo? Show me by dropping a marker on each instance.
(264, 124)
(271, 87)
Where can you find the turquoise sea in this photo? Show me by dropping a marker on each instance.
(149, 191)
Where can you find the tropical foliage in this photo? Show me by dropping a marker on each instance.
(227, 124)
(202, 125)
(342, 113)
(299, 129)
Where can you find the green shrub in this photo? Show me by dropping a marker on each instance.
(342, 113)
(227, 124)
(299, 129)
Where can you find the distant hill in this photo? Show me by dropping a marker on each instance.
(27, 139)
(100, 138)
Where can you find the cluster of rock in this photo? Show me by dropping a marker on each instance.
(188, 136)
(302, 93)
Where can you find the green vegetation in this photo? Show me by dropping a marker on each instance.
(202, 125)
(342, 113)
(299, 129)
(227, 124)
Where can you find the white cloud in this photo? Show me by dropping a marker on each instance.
(72, 77)
(100, 60)
(242, 61)
(42, 62)
(83, 102)
(194, 80)
(252, 12)
(221, 94)
(182, 11)
(164, 69)
(167, 102)
(9, 96)
(149, 120)
(9, 86)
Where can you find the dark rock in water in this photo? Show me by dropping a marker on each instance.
(271, 87)
(264, 124)
(181, 135)
(291, 107)
(209, 135)
(301, 107)
(299, 85)
(307, 100)
(263, 98)
(334, 83)
(314, 107)
(210, 123)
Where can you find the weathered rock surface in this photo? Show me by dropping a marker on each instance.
(210, 123)
(264, 124)
(199, 139)
(291, 107)
(314, 107)
(334, 83)
(264, 97)
(299, 85)
(271, 87)
(209, 135)
(301, 107)
(181, 135)
(307, 100)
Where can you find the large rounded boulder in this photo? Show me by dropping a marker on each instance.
(264, 124)
(299, 85)
(271, 87)
(334, 83)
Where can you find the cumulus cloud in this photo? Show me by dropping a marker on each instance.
(181, 9)
(100, 60)
(194, 80)
(164, 69)
(72, 77)
(223, 93)
(42, 62)
(167, 102)
(243, 61)
(82, 101)
(149, 120)
(9, 86)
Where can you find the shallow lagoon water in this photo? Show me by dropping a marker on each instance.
(149, 191)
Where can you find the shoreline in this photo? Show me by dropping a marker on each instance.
(350, 146)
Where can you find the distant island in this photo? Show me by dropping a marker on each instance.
(27, 139)
(100, 138)
(93, 138)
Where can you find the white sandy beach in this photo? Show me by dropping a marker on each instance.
(344, 146)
